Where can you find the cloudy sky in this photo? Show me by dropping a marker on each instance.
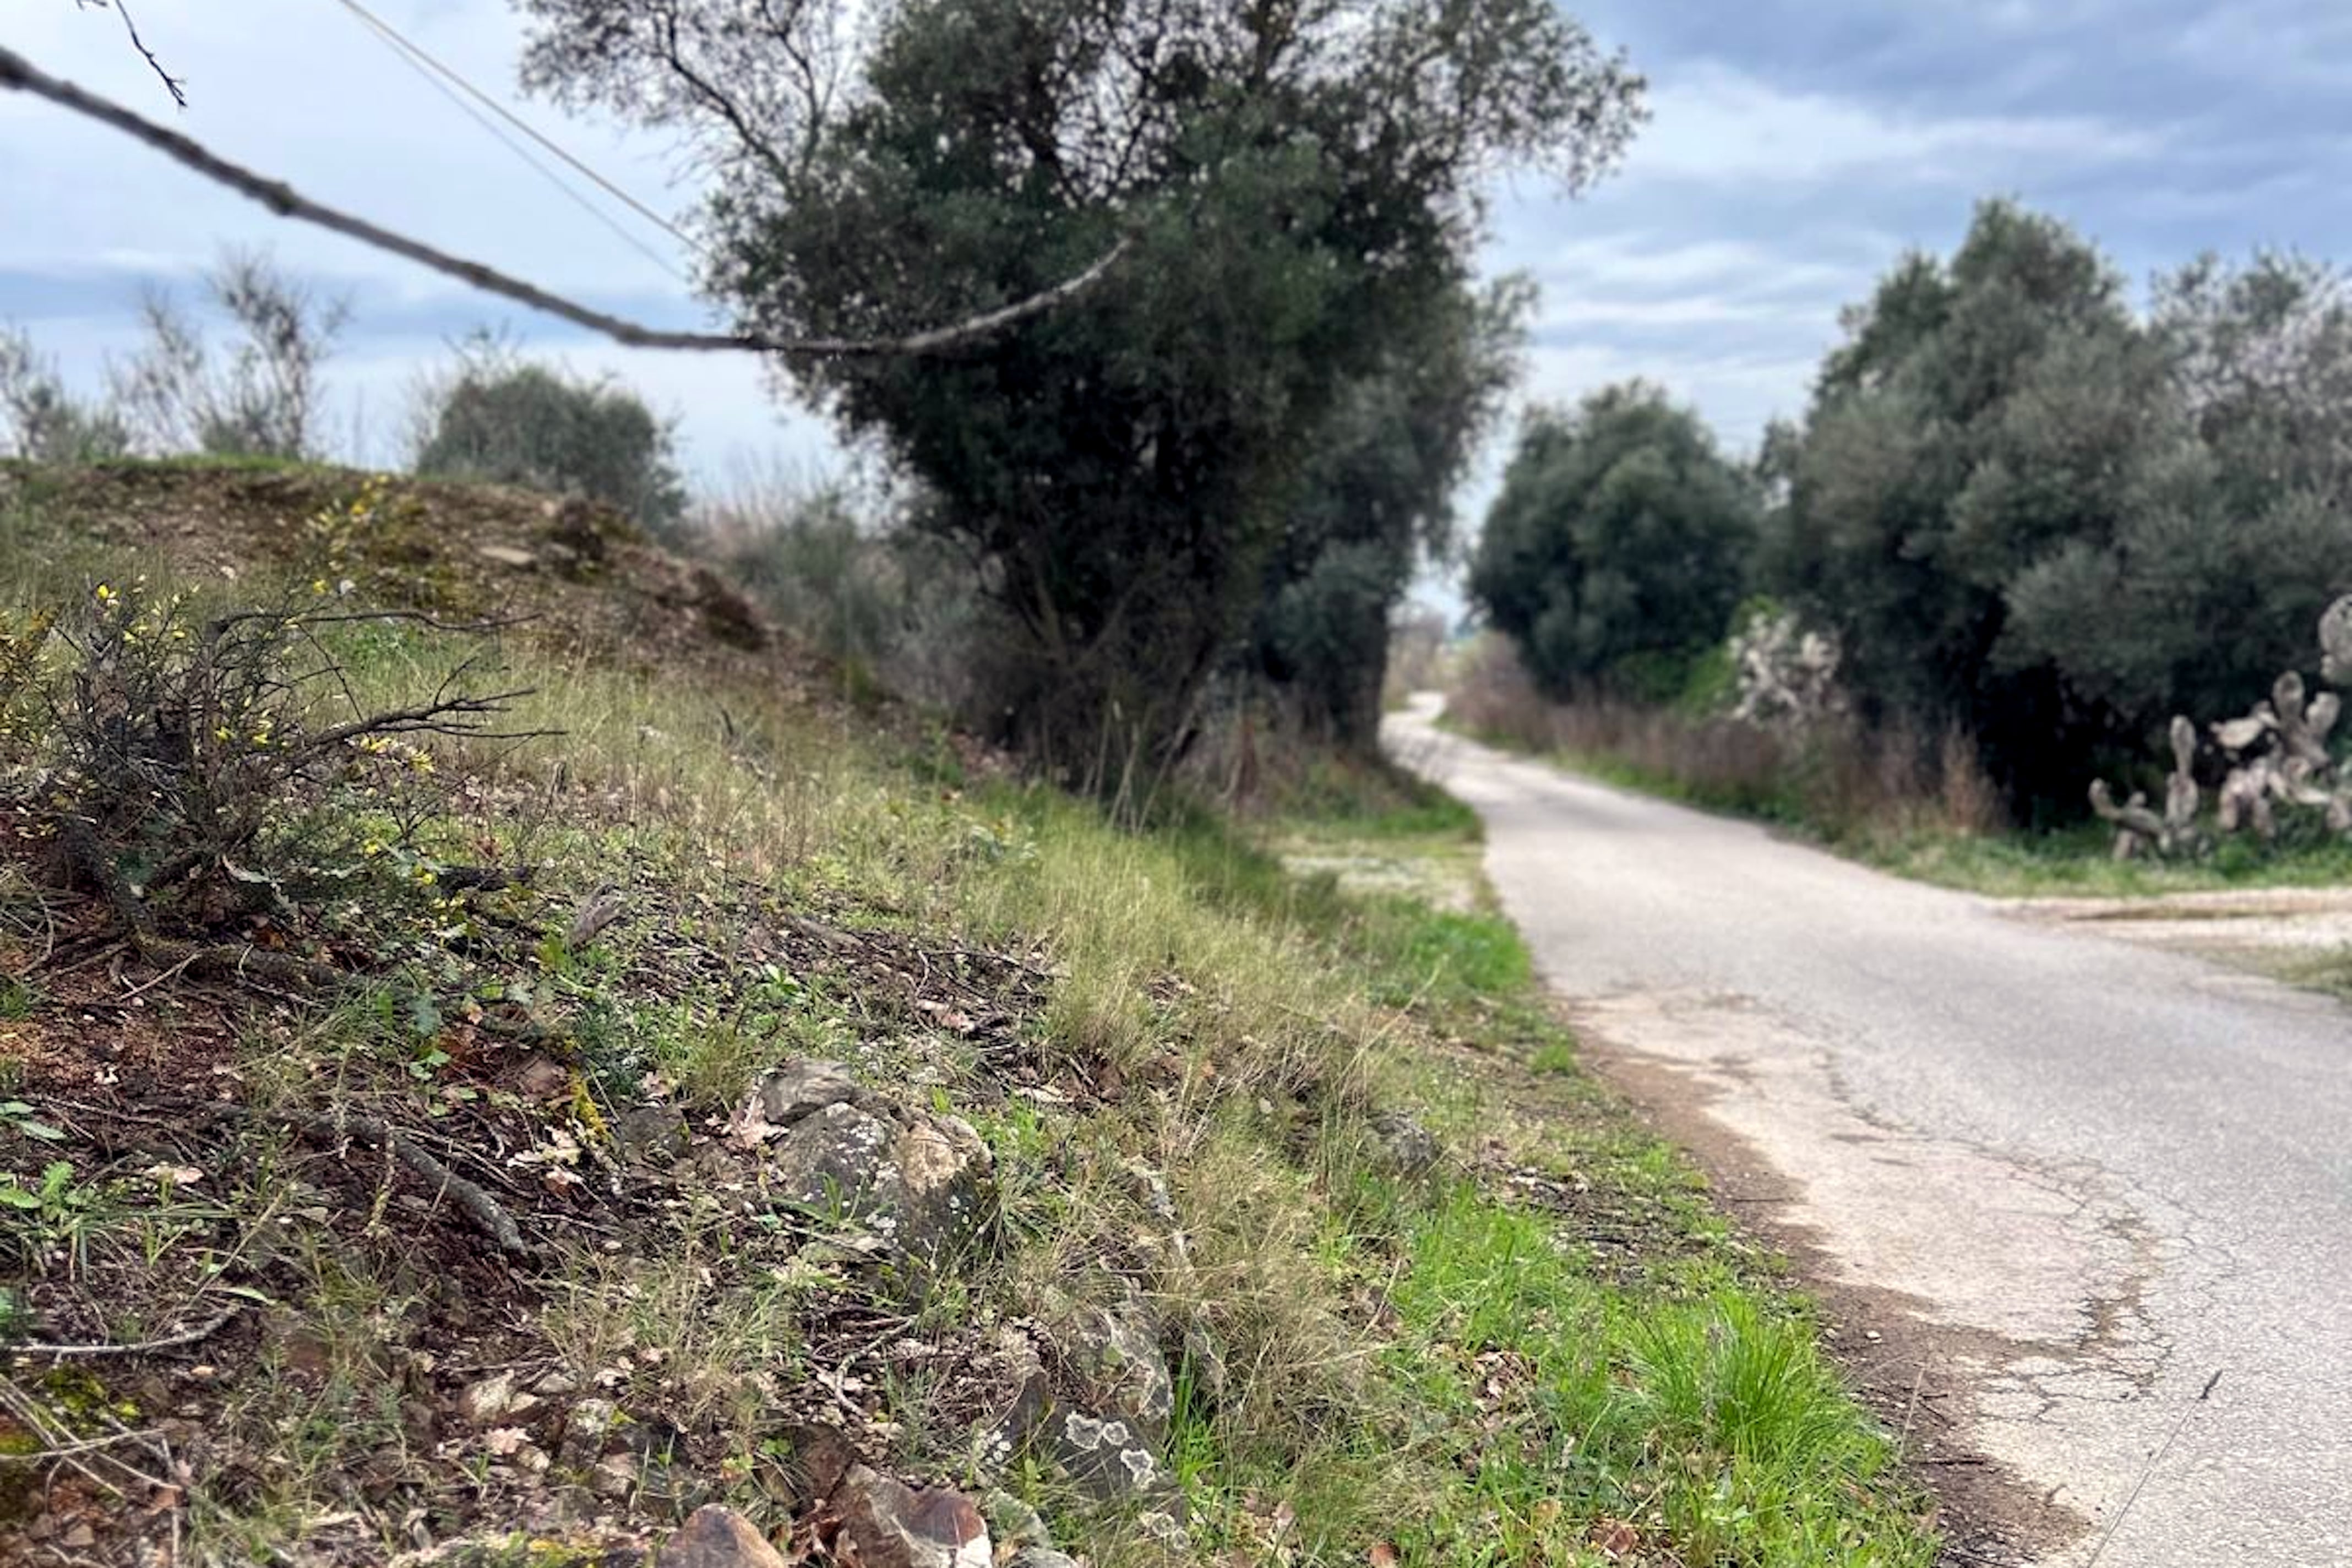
(1796, 149)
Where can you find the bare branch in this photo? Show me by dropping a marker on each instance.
(21, 75)
(172, 84)
(203, 1331)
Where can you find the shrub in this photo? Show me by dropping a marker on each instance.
(41, 420)
(1837, 777)
(891, 604)
(199, 770)
(514, 423)
(177, 396)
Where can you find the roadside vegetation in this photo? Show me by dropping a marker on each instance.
(405, 1115)
(2021, 526)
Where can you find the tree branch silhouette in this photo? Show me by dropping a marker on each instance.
(21, 75)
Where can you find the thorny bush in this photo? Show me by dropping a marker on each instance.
(200, 770)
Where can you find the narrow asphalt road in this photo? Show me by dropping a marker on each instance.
(2064, 1181)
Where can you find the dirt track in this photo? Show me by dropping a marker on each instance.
(2050, 1182)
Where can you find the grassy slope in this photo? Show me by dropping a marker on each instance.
(1547, 1351)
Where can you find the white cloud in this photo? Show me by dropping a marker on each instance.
(2290, 42)
(1718, 125)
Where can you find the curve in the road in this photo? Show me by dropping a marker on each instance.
(2064, 1180)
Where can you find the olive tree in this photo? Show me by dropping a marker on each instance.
(1286, 181)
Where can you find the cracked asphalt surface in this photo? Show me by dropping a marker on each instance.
(2064, 1180)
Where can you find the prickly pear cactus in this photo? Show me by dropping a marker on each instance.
(2277, 756)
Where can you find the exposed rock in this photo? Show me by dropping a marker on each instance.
(727, 614)
(882, 1523)
(1109, 1461)
(1115, 1351)
(920, 1182)
(615, 1476)
(1012, 1523)
(652, 1134)
(1151, 1191)
(1406, 1146)
(486, 1403)
(1204, 1360)
(1041, 1557)
(716, 1537)
(996, 1443)
(801, 1088)
(838, 1155)
(588, 1429)
(572, 527)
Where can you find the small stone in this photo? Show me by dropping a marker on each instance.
(507, 556)
(613, 1476)
(79, 1538)
(1013, 1523)
(651, 1134)
(1116, 1349)
(1406, 1147)
(586, 1429)
(803, 1088)
(482, 1404)
(555, 1385)
(716, 1537)
(882, 1523)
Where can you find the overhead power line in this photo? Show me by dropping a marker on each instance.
(431, 72)
(425, 63)
(19, 74)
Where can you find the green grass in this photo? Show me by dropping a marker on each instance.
(2081, 863)
(1435, 1362)
(1711, 1426)
(2076, 861)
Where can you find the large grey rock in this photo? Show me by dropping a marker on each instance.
(1108, 1460)
(800, 1088)
(999, 1441)
(922, 1183)
(1115, 1351)
(1108, 1437)
(652, 1135)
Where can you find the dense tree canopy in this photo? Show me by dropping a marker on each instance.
(1377, 499)
(1618, 546)
(1298, 188)
(2028, 511)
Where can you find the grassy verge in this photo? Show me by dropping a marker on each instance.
(1421, 1292)
(2071, 862)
